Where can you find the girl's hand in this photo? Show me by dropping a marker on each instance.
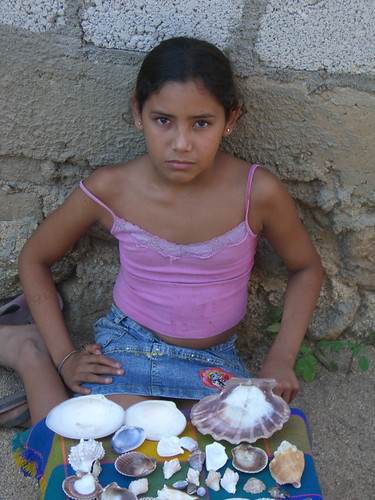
(287, 383)
(89, 365)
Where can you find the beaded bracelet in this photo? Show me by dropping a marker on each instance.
(65, 359)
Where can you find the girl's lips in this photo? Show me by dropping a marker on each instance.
(180, 164)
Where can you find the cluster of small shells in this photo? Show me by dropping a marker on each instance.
(225, 417)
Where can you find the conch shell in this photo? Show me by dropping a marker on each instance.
(287, 465)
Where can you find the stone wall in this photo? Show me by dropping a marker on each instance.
(306, 71)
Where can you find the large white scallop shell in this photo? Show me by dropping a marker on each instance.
(245, 410)
(158, 418)
(82, 456)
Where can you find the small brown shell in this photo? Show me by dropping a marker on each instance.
(287, 465)
(254, 485)
(250, 459)
(72, 489)
(135, 464)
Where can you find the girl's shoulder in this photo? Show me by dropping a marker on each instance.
(108, 180)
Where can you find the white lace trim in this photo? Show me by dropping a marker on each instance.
(204, 249)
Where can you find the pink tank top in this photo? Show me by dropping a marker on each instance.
(187, 291)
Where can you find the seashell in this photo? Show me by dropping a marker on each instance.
(170, 467)
(171, 494)
(135, 464)
(287, 465)
(229, 480)
(201, 491)
(114, 492)
(245, 410)
(254, 485)
(277, 492)
(139, 486)
(158, 418)
(127, 438)
(193, 476)
(196, 460)
(180, 485)
(168, 446)
(188, 443)
(85, 487)
(216, 456)
(82, 455)
(93, 416)
(247, 458)
(213, 480)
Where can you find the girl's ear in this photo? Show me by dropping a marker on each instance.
(136, 114)
(232, 120)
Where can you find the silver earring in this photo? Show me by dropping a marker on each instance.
(228, 129)
(139, 124)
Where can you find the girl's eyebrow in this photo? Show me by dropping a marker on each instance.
(194, 117)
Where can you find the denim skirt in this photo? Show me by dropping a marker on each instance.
(155, 368)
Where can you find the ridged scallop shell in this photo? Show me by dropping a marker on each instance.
(254, 485)
(288, 464)
(158, 418)
(127, 438)
(250, 459)
(82, 455)
(85, 487)
(114, 492)
(135, 464)
(245, 410)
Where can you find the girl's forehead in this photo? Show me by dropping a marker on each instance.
(192, 92)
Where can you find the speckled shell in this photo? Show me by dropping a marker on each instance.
(254, 485)
(245, 410)
(288, 465)
(250, 459)
(135, 464)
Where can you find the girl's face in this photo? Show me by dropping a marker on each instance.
(183, 124)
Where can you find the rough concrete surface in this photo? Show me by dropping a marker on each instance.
(339, 407)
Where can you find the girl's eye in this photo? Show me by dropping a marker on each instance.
(162, 120)
(201, 123)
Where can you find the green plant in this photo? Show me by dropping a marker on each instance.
(308, 357)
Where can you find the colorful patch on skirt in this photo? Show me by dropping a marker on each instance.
(215, 377)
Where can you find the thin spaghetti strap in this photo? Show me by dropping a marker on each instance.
(93, 197)
(248, 187)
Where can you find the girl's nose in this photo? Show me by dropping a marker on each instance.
(182, 140)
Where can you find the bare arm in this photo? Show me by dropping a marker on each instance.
(53, 238)
(285, 232)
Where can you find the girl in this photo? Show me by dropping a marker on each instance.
(187, 217)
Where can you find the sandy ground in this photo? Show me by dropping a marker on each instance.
(340, 410)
